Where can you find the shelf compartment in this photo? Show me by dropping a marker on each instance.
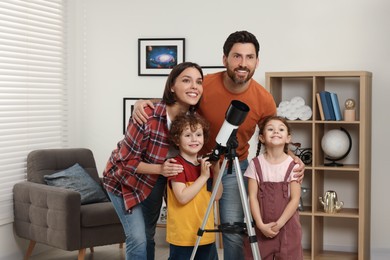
(319, 155)
(335, 236)
(332, 255)
(306, 192)
(346, 185)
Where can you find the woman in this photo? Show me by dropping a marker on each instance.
(136, 172)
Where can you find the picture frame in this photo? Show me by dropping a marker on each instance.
(212, 69)
(157, 56)
(128, 108)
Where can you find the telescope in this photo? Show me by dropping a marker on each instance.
(227, 140)
(234, 117)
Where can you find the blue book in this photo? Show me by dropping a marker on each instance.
(327, 106)
(336, 106)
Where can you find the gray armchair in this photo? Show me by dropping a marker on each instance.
(54, 216)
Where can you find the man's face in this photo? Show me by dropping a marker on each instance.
(241, 62)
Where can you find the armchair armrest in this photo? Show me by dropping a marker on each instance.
(47, 214)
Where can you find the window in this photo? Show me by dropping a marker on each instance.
(33, 93)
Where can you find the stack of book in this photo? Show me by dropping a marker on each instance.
(328, 105)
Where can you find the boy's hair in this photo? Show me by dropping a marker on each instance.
(240, 37)
(182, 121)
(264, 123)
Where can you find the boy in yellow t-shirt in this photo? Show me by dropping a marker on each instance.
(188, 196)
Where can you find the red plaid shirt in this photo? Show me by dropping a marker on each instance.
(146, 143)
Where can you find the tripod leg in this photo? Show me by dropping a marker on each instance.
(209, 207)
(247, 213)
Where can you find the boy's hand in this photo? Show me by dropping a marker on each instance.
(205, 167)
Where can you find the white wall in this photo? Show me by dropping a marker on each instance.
(294, 36)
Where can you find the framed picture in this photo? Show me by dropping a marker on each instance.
(128, 107)
(212, 69)
(157, 57)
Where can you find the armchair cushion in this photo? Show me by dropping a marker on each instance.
(77, 179)
(98, 214)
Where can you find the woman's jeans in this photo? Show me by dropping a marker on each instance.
(134, 227)
(140, 225)
(231, 210)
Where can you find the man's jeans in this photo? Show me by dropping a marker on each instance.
(231, 210)
(151, 209)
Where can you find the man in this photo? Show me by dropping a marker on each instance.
(240, 57)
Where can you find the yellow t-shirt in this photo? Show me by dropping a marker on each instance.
(184, 221)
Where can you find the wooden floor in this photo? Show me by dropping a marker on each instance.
(111, 252)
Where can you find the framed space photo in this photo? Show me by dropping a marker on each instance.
(157, 57)
(212, 69)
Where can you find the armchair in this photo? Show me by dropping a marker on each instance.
(54, 216)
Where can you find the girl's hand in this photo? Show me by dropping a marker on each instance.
(170, 168)
(276, 228)
(267, 230)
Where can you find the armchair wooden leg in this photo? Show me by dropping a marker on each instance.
(121, 245)
(31, 246)
(81, 254)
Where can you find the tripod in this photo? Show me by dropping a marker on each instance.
(232, 158)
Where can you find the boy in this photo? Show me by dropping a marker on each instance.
(188, 196)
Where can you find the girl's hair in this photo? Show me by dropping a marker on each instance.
(264, 122)
(182, 121)
(169, 97)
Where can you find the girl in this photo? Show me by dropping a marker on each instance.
(274, 194)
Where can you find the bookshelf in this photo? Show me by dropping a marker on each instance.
(345, 234)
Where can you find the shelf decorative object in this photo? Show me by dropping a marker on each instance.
(305, 192)
(330, 202)
(294, 109)
(337, 145)
(305, 154)
(349, 112)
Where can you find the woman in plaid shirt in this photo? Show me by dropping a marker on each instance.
(136, 172)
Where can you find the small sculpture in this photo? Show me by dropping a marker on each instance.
(294, 109)
(330, 202)
(349, 112)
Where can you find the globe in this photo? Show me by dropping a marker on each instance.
(336, 144)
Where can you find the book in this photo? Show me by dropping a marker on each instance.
(327, 106)
(336, 106)
(320, 106)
